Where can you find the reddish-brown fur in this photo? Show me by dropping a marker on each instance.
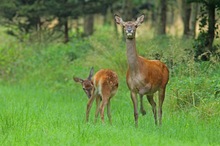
(144, 77)
(104, 85)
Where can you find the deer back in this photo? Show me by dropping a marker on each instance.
(105, 82)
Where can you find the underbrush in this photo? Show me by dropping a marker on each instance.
(53, 65)
(193, 91)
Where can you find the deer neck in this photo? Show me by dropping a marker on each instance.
(132, 56)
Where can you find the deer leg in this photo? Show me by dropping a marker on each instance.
(102, 108)
(89, 105)
(98, 99)
(161, 99)
(135, 104)
(153, 105)
(142, 107)
(109, 112)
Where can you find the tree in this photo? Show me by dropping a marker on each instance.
(22, 16)
(88, 24)
(26, 17)
(186, 17)
(63, 10)
(162, 17)
(90, 7)
(204, 43)
(194, 13)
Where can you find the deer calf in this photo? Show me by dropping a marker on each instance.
(102, 87)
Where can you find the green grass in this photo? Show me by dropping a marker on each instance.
(37, 116)
(41, 105)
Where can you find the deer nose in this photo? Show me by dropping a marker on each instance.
(129, 31)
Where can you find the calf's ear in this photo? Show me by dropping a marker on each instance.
(78, 80)
(91, 74)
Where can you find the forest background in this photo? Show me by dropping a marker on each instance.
(43, 44)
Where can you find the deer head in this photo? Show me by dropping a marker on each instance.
(129, 26)
(87, 84)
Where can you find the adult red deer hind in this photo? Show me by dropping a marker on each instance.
(102, 87)
(144, 77)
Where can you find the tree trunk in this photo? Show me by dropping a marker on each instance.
(39, 29)
(194, 14)
(186, 17)
(127, 10)
(88, 25)
(211, 25)
(77, 28)
(127, 13)
(115, 25)
(66, 31)
(162, 17)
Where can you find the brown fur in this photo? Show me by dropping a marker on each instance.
(144, 77)
(104, 85)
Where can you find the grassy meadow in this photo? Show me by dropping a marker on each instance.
(41, 105)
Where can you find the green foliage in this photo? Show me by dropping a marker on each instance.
(10, 51)
(191, 92)
(201, 50)
(23, 15)
(107, 56)
(25, 19)
(41, 105)
(203, 44)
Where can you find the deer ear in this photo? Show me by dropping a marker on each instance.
(91, 73)
(78, 80)
(139, 20)
(119, 20)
